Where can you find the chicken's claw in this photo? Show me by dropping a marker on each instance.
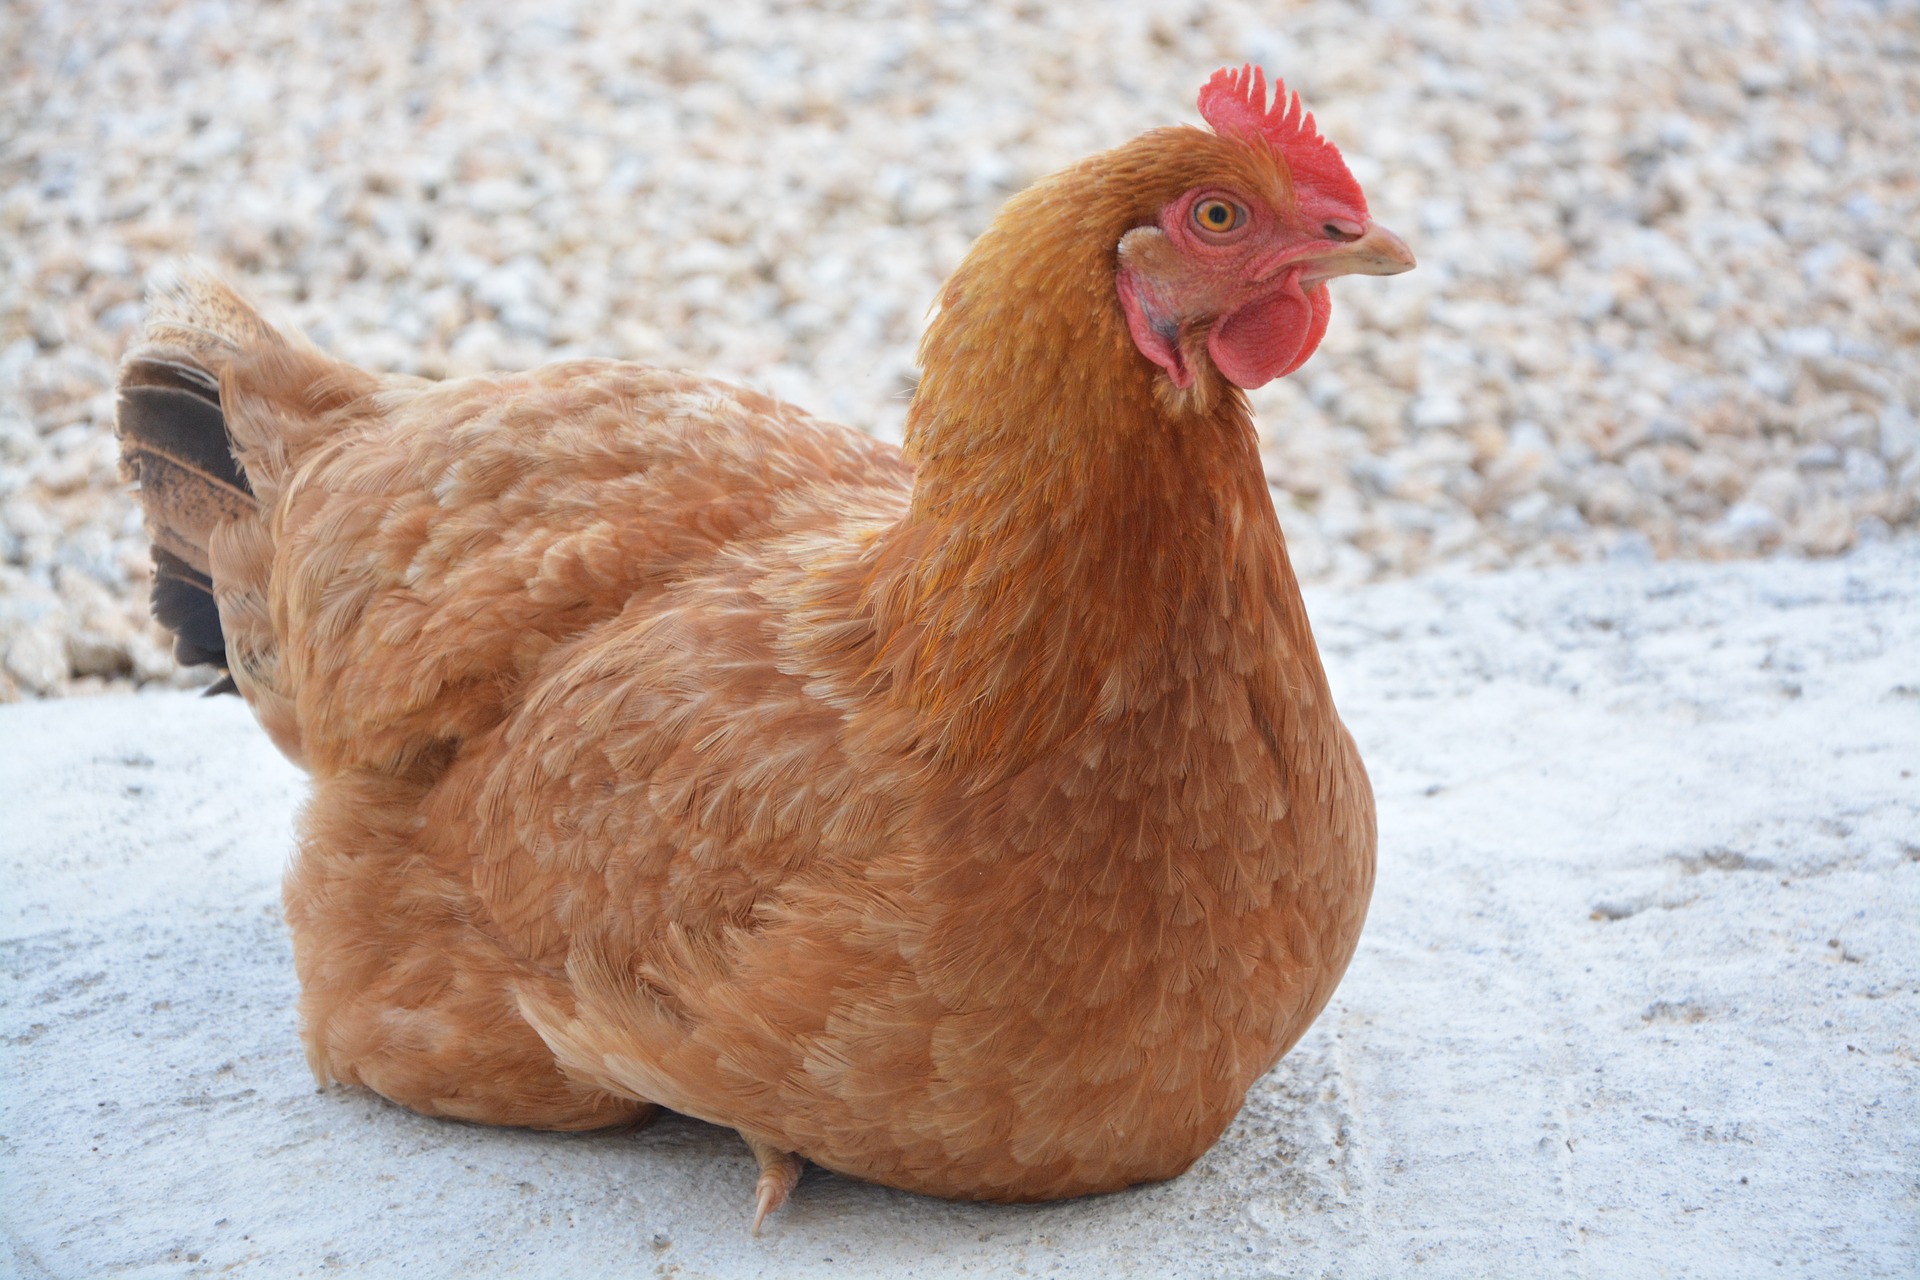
(779, 1174)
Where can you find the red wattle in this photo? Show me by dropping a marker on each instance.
(1270, 337)
(1322, 304)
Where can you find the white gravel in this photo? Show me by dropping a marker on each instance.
(1637, 997)
(1668, 301)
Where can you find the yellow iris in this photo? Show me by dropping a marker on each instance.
(1216, 215)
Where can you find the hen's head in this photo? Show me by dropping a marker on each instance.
(1247, 225)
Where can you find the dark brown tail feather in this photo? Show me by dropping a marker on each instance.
(174, 445)
(183, 604)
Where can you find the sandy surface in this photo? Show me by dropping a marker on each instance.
(1638, 995)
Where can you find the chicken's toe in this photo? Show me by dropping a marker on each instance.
(779, 1173)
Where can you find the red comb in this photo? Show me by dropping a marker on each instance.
(1235, 102)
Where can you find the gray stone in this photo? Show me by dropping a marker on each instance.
(1683, 230)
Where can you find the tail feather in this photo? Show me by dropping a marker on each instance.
(183, 604)
(187, 432)
(174, 444)
(190, 310)
(158, 367)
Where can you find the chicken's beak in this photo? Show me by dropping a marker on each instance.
(1378, 252)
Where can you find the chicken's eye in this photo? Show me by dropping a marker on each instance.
(1217, 215)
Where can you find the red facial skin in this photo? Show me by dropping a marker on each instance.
(1256, 288)
(1251, 290)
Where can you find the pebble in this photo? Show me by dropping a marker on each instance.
(1668, 304)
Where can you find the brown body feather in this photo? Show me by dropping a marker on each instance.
(979, 824)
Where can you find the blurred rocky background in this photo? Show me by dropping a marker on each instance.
(1668, 302)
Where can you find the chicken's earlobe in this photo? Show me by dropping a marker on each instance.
(1150, 319)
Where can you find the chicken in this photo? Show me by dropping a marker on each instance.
(973, 819)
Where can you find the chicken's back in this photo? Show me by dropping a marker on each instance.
(391, 558)
(435, 550)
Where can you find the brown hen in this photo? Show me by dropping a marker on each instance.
(974, 821)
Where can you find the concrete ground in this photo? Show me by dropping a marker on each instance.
(1639, 993)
